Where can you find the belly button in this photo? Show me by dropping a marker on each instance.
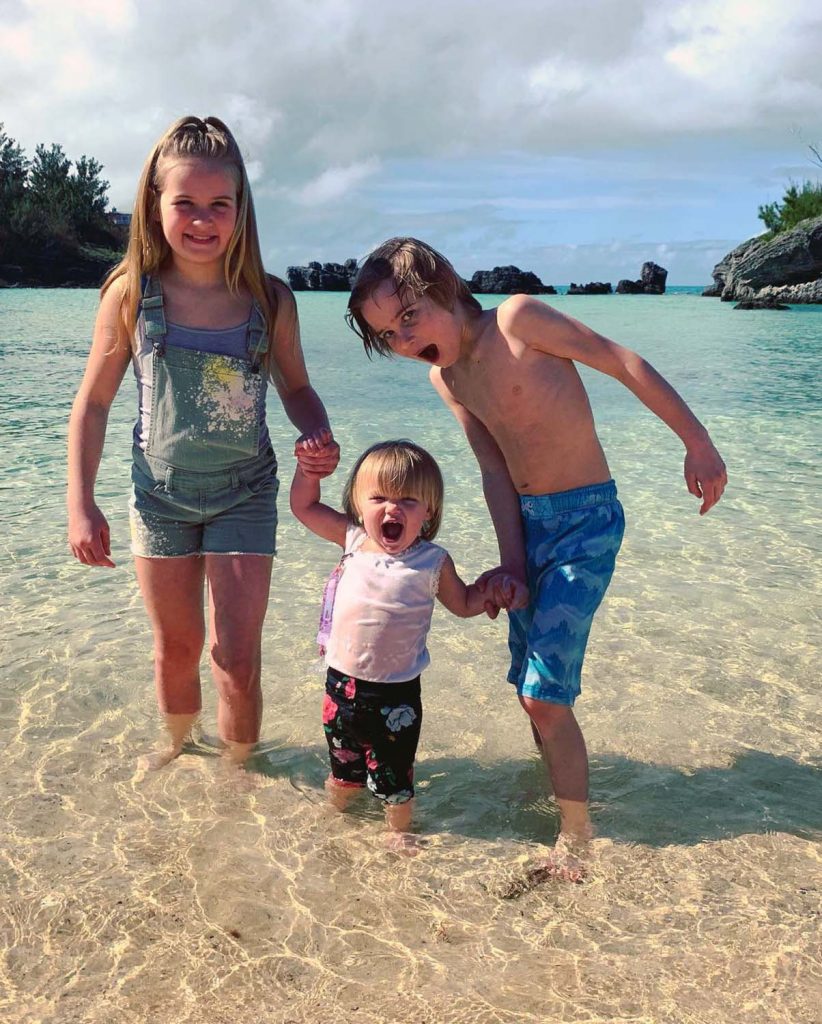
(517, 389)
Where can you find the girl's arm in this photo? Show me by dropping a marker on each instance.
(462, 599)
(301, 403)
(88, 531)
(321, 519)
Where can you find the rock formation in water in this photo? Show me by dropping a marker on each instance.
(592, 288)
(651, 281)
(508, 281)
(787, 268)
(323, 277)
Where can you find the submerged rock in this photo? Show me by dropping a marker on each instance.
(787, 268)
(508, 281)
(767, 303)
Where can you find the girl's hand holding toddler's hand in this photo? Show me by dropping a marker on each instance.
(318, 453)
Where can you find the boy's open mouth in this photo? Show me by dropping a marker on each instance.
(391, 530)
(429, 353)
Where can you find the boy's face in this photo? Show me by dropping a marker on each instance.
(416, 328)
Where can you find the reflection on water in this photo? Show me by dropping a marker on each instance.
(193, 895)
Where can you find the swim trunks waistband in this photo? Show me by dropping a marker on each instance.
(542, 506)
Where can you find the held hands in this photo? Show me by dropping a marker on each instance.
(317, 454)
(89, 537)
(501, 589)
(705, 474)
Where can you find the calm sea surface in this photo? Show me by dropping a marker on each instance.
(187, 895)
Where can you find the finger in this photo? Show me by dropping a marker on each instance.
(491, 610)
(105, 537)
(693, 485)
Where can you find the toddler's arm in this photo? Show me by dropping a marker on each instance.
(321, 519)
(469, 599)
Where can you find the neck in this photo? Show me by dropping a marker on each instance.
(471, 327)
(198, 275)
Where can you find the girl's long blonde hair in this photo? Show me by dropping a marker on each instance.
(209, 138)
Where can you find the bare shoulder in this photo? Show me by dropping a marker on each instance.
(110, 322)
(522, 314)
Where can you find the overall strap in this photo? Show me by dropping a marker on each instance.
(257, 337)
(151, 310)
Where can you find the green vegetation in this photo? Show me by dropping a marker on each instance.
(798, 203)
(54, 226)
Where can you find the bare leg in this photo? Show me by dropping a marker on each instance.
(172, 590)
(400, 838)
(238, 601)
(563, 751)
(341, 796)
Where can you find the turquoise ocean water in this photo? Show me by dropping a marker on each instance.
(189, 895)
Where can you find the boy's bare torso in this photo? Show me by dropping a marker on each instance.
(535, 407)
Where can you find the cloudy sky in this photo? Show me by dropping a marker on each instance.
(573, 139)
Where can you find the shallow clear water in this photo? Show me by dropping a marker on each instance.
(187, 895)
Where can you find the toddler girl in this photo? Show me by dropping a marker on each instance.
(386, 583)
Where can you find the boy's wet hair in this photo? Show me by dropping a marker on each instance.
(415, 269)
(401, 469)
(196, 138)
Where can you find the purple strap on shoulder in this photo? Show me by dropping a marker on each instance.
(327, 605)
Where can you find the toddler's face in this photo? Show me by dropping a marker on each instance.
(416, 328)
(393, 522)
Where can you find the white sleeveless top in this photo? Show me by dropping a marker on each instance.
(382, 610)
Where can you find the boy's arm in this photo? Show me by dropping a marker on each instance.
(538, 326)
(321, 519)
(462, 599)
(500, 494)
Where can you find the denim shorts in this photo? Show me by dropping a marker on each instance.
(174, 513)
(571, 542)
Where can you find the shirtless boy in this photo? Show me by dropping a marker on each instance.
(508, 376)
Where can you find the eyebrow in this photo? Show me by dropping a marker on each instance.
(188, 195)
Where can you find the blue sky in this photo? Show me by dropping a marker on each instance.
(574, 140)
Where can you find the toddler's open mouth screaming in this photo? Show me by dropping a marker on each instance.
(391, 530)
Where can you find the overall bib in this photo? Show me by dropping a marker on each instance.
(202, 486)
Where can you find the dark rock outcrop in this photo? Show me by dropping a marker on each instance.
(592, 288)
(651, 281)
(508, 281)
(766, 303)
(787, 268)
(323, 277)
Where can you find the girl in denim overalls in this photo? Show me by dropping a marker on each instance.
(205, 328)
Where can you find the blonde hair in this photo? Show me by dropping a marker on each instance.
(415, 269)
(207, 139)
(401, 468)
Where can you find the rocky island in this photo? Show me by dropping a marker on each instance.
(769, 270)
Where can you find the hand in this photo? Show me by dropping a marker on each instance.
(502, 589)
(317, 453)
(89, 537)
(705, 474)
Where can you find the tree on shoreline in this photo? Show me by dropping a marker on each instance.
(50, 200)
(799, 202)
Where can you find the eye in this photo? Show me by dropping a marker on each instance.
(386, 336)
(408, 316)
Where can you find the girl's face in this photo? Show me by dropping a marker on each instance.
(197, 208)
(392, 521)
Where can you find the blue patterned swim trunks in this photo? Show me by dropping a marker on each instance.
(571, 543)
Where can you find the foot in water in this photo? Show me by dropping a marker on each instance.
(567, 862)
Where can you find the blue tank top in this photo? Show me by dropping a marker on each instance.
(232, 341)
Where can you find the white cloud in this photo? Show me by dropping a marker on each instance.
(335, 182)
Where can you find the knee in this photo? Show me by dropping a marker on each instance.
(547, 718)
(175, 652)
(238, 665)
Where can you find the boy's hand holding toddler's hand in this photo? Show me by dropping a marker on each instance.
(502, 590)
(318, 453)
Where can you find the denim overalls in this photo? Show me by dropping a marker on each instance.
(201, 486)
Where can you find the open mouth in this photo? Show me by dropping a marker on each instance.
(200, 239)
(429, 353)
(391, 531)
